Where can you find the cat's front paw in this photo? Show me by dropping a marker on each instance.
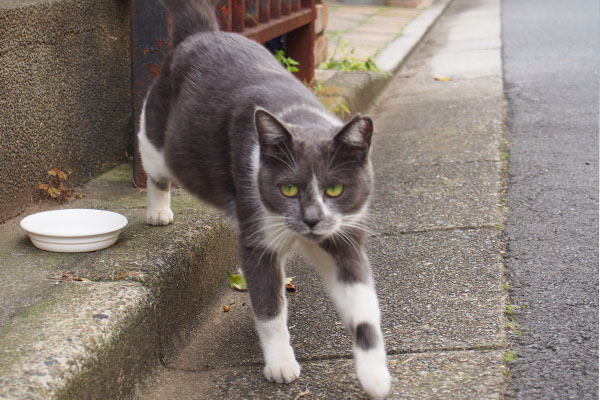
(374, 377)
(282, 371)
(159, 216)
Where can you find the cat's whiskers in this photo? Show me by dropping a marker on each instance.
(286, 163)
(338, 168)
(267, 230)
(291, 158)
(332, 157)
(358, 226)
(346, 239)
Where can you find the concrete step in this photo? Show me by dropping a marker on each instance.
(96, 339)
(65, 83)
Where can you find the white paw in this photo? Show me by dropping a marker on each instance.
(375, 378)
(282, 371)
(159, 216)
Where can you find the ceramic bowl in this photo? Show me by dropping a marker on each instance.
(74, 230)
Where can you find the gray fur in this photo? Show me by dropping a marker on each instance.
(366, 336)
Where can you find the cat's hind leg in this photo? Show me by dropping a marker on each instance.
(158, 196)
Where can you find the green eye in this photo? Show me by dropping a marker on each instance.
(289, 190)
(334, 190)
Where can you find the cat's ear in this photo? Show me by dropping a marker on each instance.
(271, 131)
(357, 133)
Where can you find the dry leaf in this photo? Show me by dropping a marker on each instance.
(53, 192)
(442, 78)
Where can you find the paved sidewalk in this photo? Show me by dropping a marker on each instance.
(437, 250)
(366, 29)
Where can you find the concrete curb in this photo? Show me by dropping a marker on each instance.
(348, 93)
(98, 338)
(393, 55)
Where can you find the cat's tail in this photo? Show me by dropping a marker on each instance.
(189, 17)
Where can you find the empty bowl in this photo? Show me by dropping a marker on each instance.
(74, 230)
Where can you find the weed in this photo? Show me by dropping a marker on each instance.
(509, 356)
(341, 109)
(56, 189)
(348, 62)
(289, 63)
(510, 309)
(506, 286)
(318, 88)
(514, 327)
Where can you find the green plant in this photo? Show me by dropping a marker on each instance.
(514, 327)
(289, 63)
(56, 189)
(348, 62)
(509, 356)
(318, 88)
(342, 109)
(510, 309)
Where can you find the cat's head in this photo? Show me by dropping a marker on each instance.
(315, 184)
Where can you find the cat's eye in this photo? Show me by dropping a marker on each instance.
(334, 190)
(289, 190)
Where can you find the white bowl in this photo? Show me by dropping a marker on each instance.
(74, 230)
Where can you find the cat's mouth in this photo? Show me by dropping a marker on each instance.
(314, 237)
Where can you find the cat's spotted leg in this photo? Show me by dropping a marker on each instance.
(347, 277)
(264, 276)
(357, 303)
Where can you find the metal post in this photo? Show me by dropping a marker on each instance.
(149, 45)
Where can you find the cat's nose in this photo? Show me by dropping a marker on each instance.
(311, 222)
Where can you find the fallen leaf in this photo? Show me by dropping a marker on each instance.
(237, 282)
(43, 186)
(291, 288)
(442, 78)
(53, 192)
(300, 395)
(68, 276)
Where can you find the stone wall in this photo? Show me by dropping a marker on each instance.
(65, 93)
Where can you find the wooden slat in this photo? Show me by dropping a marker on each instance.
(295, 5)
(264, 9)
(237, 15)
(278, 27)
(275, 8)
(223, 8)
(251, 13)
(286, 7)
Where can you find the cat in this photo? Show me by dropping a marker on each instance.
(232, 126)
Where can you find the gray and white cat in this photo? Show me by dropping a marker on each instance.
(233, 127)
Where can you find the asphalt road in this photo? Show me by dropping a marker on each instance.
(551, 62)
